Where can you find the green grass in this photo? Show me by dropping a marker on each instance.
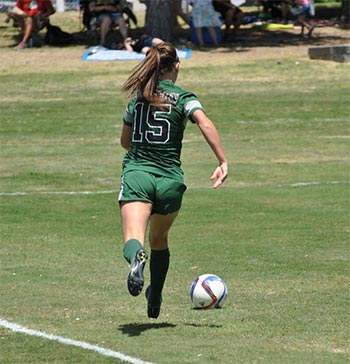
(281, 248)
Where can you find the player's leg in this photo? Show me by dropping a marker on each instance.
(159, 229)
(135, 216)
(160, 259)
(166, 207)
(136, 203)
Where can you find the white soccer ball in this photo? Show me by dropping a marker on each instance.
(208, 291)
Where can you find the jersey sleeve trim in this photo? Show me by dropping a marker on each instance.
(191, 106)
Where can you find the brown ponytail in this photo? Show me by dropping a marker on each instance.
(143, 81)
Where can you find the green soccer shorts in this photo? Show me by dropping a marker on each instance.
(164, 193)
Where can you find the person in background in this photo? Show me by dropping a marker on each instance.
(303, 11)
(152, 183)
(141, 45)
(31, 16)
(231, 14)
(204, 16)
(108, 13)
(277, 9)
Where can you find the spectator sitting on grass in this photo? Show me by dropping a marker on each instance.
(231, 14)
(141, 45)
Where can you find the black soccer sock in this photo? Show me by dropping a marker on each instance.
(159, 265)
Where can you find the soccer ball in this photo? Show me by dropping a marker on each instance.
(208, 291)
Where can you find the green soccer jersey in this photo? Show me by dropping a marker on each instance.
(157, 133)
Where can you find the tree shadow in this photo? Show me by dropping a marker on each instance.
(254, 38)
(246, 39)
(136, 329)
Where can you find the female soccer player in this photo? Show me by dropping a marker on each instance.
(152, 180)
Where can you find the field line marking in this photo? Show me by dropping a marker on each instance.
(24, 193)
(80, 344)
(306, 184)
(107, 192)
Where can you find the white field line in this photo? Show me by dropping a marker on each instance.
(80, 344)
(107, 192)
(306, 184)
(24, 193)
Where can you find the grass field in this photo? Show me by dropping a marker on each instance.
(277, 232)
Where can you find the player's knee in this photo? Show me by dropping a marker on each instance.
(158, 243)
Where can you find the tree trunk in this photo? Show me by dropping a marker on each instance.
(160, 19)
(345, 11)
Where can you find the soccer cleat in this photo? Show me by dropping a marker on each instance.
(152, 310)
(135, 276)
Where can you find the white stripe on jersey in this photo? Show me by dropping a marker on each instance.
(193, 104)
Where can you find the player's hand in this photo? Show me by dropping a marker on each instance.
(219, 175)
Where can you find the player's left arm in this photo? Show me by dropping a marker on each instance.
(212, 137)
(125, 138)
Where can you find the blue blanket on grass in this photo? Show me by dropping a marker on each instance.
(100, 53)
